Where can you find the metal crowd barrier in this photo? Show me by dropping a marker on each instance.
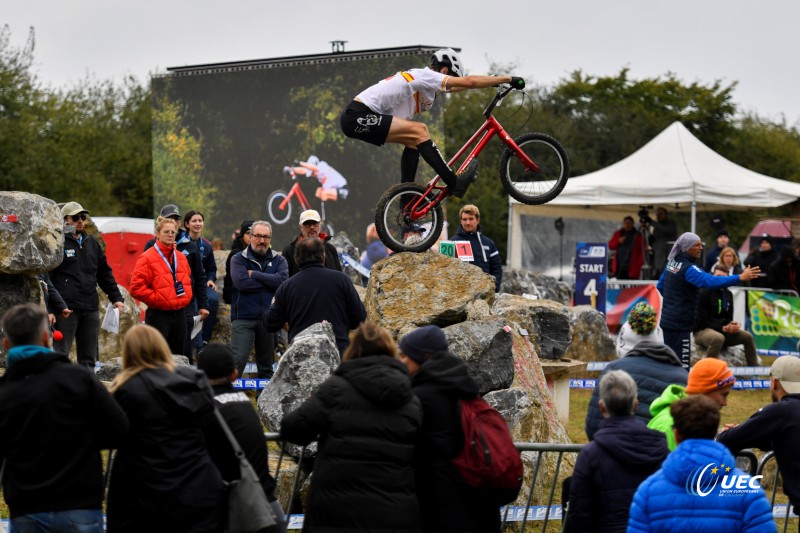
(521, 518)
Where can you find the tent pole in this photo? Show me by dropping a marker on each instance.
(694, 216)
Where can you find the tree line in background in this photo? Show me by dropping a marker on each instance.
(93, 142)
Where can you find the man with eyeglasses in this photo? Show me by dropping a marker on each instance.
(310, 227)
(256, 272)
(84, 268)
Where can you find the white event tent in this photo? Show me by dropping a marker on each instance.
(674, 170)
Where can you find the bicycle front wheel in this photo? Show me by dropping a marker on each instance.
(397, 228)
(534, 187)
(278, 215)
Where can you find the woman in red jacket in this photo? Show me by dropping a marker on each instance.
(162, 280)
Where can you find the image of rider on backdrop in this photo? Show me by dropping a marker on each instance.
(332, 183)
(383, 113)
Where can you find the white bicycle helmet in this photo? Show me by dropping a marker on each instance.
(448, 58)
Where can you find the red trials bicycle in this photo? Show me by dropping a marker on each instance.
(534, 169)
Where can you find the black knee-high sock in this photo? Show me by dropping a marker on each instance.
(408, 165)
(435, 159)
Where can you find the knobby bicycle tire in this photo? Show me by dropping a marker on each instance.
(534, 188)
(278, 197)
(392, 222)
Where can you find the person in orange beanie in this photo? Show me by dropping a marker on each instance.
(709, 377)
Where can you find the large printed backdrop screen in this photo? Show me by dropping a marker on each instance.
(221, 140)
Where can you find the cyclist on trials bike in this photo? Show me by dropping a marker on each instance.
(382, 113)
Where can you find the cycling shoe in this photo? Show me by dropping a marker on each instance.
(465, 179)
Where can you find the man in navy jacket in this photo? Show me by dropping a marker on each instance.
(315, 294)
(611, 467)
(484, 252)
(257, 272)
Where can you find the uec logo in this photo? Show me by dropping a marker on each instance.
(703, 480)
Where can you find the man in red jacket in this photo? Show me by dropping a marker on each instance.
(629, 246)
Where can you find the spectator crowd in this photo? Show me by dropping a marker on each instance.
(387, 421)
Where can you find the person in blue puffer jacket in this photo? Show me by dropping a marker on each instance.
(680, 284)
(698, 487)
(484, 252)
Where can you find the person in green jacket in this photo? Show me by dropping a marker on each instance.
(710, 377)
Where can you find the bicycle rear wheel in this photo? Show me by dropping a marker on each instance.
(278, 215)
(535, 187)
(393, 220)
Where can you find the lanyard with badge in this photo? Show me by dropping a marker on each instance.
(179, 290)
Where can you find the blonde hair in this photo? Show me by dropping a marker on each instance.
(160, 221)
(470, 210)
(725, 251)
(144, 347)
(370, 339)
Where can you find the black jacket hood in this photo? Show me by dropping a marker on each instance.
(614, 437)
(655, 350)
(381, 378)
(448, 373)
(33, 365)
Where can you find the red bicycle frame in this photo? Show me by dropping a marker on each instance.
(489, 129)
(295, 191)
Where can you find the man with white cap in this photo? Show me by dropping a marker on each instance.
(680, 284)
(84, 268)
(776, 426)
(310, 227)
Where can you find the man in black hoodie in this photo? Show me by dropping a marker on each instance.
(217, 361)
(608, 471)
(440, 379)
(55, 417)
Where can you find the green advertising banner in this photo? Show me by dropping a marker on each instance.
(774, 321)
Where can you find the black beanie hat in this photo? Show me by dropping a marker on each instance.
(216, 360)
(421, 341)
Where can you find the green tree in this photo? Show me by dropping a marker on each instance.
(89, 143)
(177, 162)
(605, 119)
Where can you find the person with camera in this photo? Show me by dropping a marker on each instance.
(664, 233)
(628, 244)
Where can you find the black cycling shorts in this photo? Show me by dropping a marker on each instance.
(360, 122)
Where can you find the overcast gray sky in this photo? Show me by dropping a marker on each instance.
(754, 43)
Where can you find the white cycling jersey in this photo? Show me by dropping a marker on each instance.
(329, 177)
(406, 93)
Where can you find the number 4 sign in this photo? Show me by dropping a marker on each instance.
(464, 250)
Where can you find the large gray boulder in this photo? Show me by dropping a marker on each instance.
(546, 322)
(35, 242)
(342, 243)
(408, 290)
(520, 282)
(591, 340)
(310, 360)
(485, 345)
(17, 289)
(529, 409)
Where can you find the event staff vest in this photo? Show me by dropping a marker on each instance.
(680, 296)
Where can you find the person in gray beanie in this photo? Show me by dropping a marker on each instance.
(440, 379)
(680, 284)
